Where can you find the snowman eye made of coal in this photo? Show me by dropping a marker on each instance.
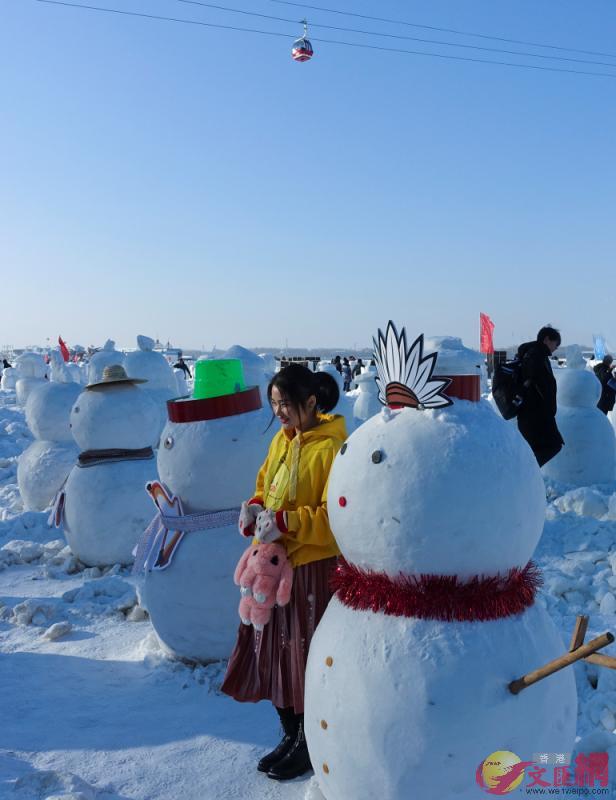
(377, 456)
(168, 443)
(75, 409)
(343, 449)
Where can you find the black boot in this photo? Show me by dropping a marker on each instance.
(296, 762)
(290, 723)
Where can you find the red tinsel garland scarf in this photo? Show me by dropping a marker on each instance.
(442, 597)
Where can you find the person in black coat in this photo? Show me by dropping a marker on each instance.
(181, 364)
(603, 371)
(537, 414)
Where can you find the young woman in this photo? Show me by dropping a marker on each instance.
(290, 507)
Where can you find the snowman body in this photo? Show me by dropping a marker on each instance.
(106, 509)
(401, 706)
(44, 466)
(367, 402)
(210, 465)
(180, 379)
(589, 453)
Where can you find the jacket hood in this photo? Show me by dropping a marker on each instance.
(331, 426)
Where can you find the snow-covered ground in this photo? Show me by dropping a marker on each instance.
(91, 707)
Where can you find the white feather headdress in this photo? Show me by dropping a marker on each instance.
(405, 374)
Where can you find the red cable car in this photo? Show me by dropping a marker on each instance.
(302, 48)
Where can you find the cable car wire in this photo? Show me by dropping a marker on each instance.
(398, 36)
(202, 23)
(443, 30)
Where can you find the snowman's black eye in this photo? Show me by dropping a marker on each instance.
(76, 410)
(168, 442)
(343, 449)
(254, 552)
(274, 560)
(377, 456)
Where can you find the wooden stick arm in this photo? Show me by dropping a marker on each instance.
(602, 661)
(516, 686)
(577, 640)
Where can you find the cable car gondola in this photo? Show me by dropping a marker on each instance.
(302, 48)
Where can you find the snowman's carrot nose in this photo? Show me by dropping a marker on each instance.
(342, 501)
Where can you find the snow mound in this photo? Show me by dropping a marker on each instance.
(52, 785)
(585, 502)
(109, 593)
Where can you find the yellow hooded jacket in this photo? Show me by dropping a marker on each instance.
(294, 480)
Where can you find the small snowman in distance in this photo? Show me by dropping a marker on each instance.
(345, 404)
(367, 403)
(211, 449)
(31, 372)
(437, 508)
(9, 379)
(44, 466)
(589, 454)
(103, 505)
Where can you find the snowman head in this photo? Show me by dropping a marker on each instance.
(114, 413)
(213, 445)
(431, 487)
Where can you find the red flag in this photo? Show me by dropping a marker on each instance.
(486, 343)
(63, 349)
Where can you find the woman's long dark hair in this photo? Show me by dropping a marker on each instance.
(297, 383)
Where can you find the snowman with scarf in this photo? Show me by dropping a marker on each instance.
(437, 507)
(211, 448)
(102, 506)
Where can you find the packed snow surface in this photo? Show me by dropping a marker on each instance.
(92, 707)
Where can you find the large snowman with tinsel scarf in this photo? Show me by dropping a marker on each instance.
(437, 507)
(211, 449)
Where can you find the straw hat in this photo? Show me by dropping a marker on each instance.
(115, 373)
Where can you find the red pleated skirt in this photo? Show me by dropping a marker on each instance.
(271, 665)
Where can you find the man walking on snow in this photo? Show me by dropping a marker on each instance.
(537, 414)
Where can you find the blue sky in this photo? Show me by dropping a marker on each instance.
(199, 185)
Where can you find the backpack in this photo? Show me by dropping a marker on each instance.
(507, 388)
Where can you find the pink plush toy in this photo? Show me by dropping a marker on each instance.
(265, 576)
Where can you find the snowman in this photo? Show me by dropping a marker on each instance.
(103, 505)
(211, 450)
(104, 358)
(589, 454)
(154, 368)
(345, 403)
(44, 466)
(454, 358)
(367, 402)
(9, 379)
(437, 508)
(31, 372)
(180, 379)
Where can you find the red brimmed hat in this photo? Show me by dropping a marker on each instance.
(219, 392)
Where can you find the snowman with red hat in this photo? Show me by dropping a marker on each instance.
(211, 448)
(437, 506)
